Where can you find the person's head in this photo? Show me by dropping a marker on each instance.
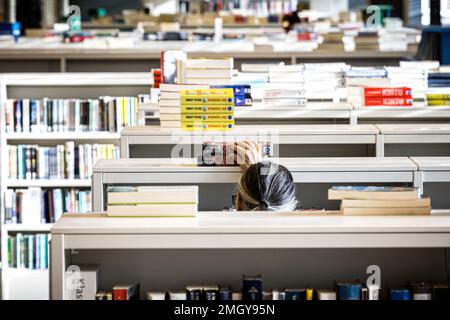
(266, 186)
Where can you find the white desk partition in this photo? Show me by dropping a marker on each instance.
(304, 170)
(152, 136)
(429, 133)
(432, 169)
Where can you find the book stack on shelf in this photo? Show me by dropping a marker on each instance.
(108, 114)
(28, 251)
(208, 110)
(170, 103)
(438, 99)
(380, 200)
(286, 86)
(210, 71)
(34, 205)
(358, 78)
(323, 79)
(391, 97)
(161, 201)
(68, 161)
(414, 78)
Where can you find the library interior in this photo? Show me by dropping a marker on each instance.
(225, 150)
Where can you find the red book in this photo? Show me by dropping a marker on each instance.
(401, 102)
(120, 294)
(401, 92)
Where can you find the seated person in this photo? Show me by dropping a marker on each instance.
(264, 185)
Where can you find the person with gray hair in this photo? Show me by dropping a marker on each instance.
(264, 185)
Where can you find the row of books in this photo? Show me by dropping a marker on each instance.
(370, 200)
(86, 287)
(34, 205)
(28, 251)
(108, 114)
(152, 201)
(68, 161)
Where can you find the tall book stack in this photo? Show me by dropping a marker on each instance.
(161, 201)
(389, 97)
(170, 103)
(286, 86)
(108, 114)
(358, 78)
(28, 251)
(34, 205)
(209, 110)
(209, 71)
(438, 99)
(380, 200)
(68, 161)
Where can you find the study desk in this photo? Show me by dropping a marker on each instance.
(151, 137)
(401, 133)
(218, 230)
(304, 170)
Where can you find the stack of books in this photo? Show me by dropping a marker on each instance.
(34, 206)
(380, 200)
(324, 78)
(161, 201)
(361, 77)
(210, 71)
(438, 79)
(28, 251)
(401, 97)
(286, 86)
(414, 78)
(438, 99)
(208, 110)
(68, 161)
(170, 103)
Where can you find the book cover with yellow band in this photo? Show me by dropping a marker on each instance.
(207, 126)
(207, 117)
(224, 108)
(438, 96)
(207, 92)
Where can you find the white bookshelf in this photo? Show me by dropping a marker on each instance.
(305, 242)
(37, 86)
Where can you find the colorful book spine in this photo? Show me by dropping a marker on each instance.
(202, 109)
(400, 102)
(401, 92)
(28, 251)
(207, 117)
(399, 294)
(438, 103)
(348, 291)
(252, 288)
(437, 96)
(207, 126)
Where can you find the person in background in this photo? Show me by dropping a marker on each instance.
(264, 185)
(290, 20)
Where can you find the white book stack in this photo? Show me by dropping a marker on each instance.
(170, 105)
(358, 78)
(209, 71)
(286, 86)
(153, 201)
(322, 80)
(257, 76)
(414, 78)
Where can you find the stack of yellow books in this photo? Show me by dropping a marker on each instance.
(209, 110)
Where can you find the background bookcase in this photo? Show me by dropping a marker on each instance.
(33, 284)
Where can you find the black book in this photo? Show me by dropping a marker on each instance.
(252, 288)
(49, 116)
(34, 162)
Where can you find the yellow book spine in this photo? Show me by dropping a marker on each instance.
(437, 103)
(208, 92)
(213, 117)
(207, 108)
(207, 126)
(206, 100)
(438, 96)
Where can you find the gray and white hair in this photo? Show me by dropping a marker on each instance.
(267, 186)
